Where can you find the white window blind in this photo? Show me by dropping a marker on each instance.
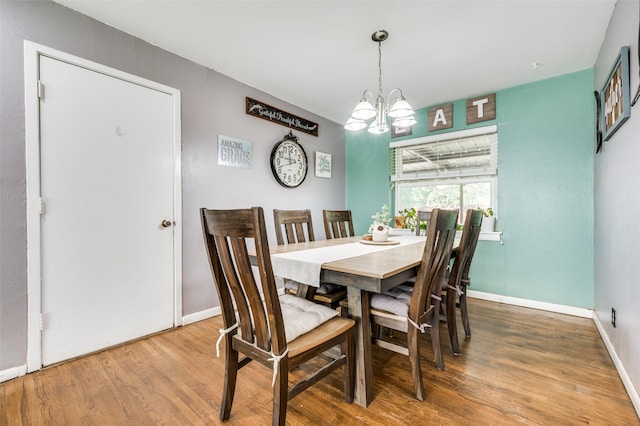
(467, 153)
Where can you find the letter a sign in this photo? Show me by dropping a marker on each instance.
(440, 117)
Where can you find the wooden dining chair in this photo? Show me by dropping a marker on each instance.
(280, 333)
(454, 290)
(409, 308)
(338, 224)
(294, 223)
(422, 216)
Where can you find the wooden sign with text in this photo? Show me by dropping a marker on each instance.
(269, 113)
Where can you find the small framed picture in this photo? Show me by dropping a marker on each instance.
(323, 165)
(615, 96)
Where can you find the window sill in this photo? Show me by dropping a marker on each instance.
(490, 236)
(484, 236)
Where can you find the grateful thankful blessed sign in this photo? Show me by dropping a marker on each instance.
(267, 112)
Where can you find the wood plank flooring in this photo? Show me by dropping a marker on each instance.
(520, 366)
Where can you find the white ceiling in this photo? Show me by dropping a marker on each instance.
(319, 54)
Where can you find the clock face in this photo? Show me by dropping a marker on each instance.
(289, 163)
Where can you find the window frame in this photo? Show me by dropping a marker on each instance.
(492, 180)
(445, 178)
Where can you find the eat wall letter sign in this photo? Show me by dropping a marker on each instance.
(479, 109)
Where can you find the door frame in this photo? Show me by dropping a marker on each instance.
(32, 52)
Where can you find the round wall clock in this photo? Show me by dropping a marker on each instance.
(289, 162)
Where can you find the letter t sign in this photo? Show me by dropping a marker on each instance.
(482, 108)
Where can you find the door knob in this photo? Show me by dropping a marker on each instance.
(166, 223)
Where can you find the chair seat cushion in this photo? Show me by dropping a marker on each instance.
(301, 315)
(395, 300)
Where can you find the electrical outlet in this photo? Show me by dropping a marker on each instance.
(613, 317)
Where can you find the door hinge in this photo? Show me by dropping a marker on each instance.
(40, 90)
(41, 206)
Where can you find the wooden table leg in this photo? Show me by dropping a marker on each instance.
(359, 311)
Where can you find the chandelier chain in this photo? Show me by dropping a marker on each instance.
(379, 68)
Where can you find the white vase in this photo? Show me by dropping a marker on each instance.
(380, 233)
(488, 224)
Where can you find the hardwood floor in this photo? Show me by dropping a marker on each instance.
(520, 366)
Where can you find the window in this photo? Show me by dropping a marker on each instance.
(456, 170)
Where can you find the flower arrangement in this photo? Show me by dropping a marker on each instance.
(380, 218)
(410, 218)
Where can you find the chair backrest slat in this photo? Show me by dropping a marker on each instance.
(422, 216)
(223, 247)
(226, 233)
(467, 246)
(294, 222)
(437, 251)
(338, 224)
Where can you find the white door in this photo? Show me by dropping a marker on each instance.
(107, 185)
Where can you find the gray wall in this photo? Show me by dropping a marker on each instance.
(617, 200)
(212, 104)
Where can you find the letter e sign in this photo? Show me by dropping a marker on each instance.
(440, 117)
(482, 108)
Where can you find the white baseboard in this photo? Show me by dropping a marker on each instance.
(209, 313)
(626, 380)
(12, 373)
(526, 303)
(202, 315)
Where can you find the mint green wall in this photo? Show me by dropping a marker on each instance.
(366, 176)
(545, 189)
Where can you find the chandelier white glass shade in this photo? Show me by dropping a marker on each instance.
(399, 110)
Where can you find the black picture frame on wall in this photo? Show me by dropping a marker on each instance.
(635, 98)
(598, 135)
(615, 96)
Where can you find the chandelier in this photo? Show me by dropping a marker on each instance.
(398, 109)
